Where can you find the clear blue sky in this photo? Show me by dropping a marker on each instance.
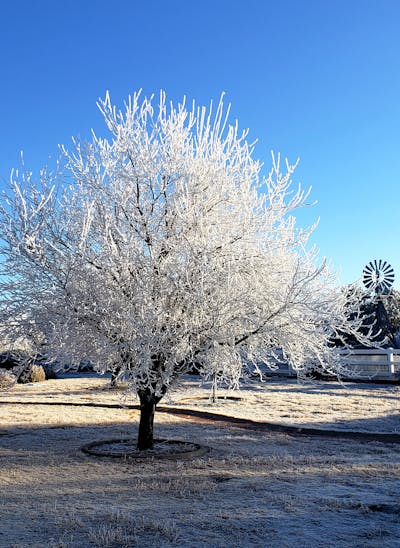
(315, 79)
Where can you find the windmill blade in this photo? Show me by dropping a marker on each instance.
(378, 275)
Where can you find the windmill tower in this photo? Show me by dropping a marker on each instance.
(378, 278)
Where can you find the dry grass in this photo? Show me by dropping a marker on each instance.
(253, 489)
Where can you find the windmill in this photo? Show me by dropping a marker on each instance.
(378, 278)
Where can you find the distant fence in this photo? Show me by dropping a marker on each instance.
(374, 364)
(381, 364)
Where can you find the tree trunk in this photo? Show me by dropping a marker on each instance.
(148, 404)
(114, 376)
(214, 398)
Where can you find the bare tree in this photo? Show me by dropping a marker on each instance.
(162, 246)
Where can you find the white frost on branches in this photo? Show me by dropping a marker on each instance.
(163, 246)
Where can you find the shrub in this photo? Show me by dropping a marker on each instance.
(32, 373)
(7, 379)
(38, 373)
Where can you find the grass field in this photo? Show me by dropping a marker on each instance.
(253, 488)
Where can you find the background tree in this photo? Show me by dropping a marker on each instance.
(393, 311)
(381, 318)
(163, 246)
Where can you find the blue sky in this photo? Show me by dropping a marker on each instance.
(315, 79)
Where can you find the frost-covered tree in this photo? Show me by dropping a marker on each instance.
(162, 246)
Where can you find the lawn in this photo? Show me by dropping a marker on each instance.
(254, 488)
